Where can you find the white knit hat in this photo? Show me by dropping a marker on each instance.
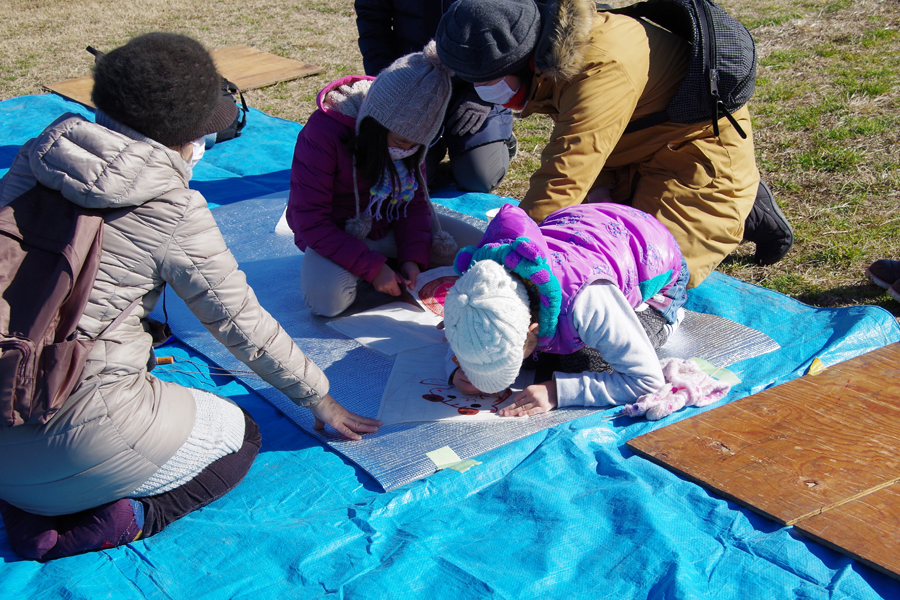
(486, 319)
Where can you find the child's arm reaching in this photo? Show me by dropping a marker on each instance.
(391, 282)
(533, 400)
(605, 321)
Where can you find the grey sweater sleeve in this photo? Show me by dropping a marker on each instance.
(606, 322)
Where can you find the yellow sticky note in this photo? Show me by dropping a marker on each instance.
(446, 458)
(463, 465)
(719, 373)
(443, 457)
(816, 367)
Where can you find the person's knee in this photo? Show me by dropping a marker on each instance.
(328, 290)
(329, 305)
(481, 169)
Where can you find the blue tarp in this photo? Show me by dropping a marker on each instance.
(567, 512)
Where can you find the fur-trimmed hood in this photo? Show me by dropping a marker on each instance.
(565, 31)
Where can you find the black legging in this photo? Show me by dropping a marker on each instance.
(210, 484)
(112, 524)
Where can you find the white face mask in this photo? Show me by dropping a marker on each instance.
(498, 93)
(399, 153)
(198, 147)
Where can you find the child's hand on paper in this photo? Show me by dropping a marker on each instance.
(462, 383)
(342, 420)
(388, 281)
(410, 271)
(533, 400)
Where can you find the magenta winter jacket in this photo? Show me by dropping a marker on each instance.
(321, 197)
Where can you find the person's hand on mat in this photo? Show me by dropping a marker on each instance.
(533, 400)
(462, 383)
(410, 271)
(342, 420)
(388, 281)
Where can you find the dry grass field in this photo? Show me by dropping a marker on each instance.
(826, 111)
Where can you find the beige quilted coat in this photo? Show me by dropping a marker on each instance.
(121, 423)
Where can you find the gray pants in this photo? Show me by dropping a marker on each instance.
(328, 289)
(480, 169)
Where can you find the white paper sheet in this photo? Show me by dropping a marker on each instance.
(417, 391)
(282, 227)
(392, 328)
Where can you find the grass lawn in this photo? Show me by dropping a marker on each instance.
(826, 110)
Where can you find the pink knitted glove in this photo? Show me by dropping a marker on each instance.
(686, 385)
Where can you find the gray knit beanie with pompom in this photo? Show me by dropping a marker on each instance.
(411, 96)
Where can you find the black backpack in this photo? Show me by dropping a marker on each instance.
(721, 75)
(240, 121)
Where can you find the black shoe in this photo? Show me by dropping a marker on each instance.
(513, 144)
(768, 228)
(884, 273)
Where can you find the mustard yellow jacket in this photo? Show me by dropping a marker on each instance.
(595, 72)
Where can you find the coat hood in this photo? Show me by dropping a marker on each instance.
(565, 31)
(98, 168)
(342, 99)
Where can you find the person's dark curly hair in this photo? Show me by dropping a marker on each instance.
(164, 86)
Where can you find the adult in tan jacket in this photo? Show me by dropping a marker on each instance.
(594, 73)
(128, 453)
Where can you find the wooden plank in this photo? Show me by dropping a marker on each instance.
(865, 529)
(250, 68)
(78, 90)
(246, 67)
(798, 449)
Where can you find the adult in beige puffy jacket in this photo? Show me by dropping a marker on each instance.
(128, 453)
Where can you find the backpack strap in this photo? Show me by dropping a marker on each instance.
(119, 318)
(675, 16)
(710, 60)
(648, 121)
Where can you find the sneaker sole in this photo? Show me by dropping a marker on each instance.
(894, 294)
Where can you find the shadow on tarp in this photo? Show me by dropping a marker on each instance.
(221, 187)
(474, 204)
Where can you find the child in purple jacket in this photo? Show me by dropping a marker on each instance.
(603, 276)
(358, 195)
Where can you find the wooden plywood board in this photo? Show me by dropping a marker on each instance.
(866, 529)
(798, 449)
(78, 90)
(246, 67)
(249, 68)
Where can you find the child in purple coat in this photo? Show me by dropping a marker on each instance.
(606, 277)
(358, 195)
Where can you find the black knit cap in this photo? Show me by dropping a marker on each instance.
(164, 86)
(482, 40)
